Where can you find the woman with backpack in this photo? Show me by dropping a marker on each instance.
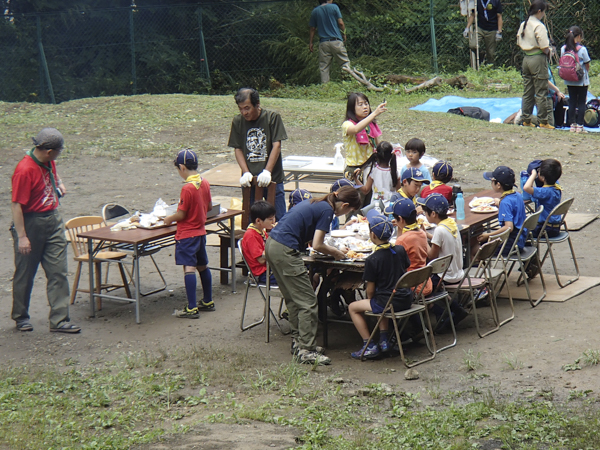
(533, 40)
(577, 89)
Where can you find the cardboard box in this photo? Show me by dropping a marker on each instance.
(215, 211)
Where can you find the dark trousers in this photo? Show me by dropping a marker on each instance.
(577, 101)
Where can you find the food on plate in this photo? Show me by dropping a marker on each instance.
(355, 255)
(481, 201)
(484, 209)
(362, 219)
(422, 220)
(133, 219)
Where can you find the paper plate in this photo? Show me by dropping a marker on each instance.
(341, 233)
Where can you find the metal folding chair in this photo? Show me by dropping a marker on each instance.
(439, 293)
(560, 210)
(415, 280)
(112, 211)
(252, 282)
(472, 285)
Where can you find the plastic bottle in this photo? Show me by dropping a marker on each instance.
(338, 159)
(524, 178)
(460, 207)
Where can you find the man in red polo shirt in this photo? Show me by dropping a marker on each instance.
(39, 233)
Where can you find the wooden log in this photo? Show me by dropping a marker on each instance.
(437, 81)
(360, 77)
(404, 79)
(458, 82)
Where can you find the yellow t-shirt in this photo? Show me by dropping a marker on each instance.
(356, 154)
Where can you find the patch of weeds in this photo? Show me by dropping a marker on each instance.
(471, 360)
(591, 357)
(547, 393)
(576, 394)
(572, 367)
(512, 361)
(71, 362)
(479, 376)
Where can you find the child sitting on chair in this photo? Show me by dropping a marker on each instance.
(412, 181)
(262, 215)
(297, 196)
(383, 269)
(511, 209)
(414, 151)
(548, 195)
(442, 174)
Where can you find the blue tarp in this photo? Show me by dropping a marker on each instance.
(497, 107)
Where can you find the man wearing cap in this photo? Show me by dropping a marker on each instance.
(489, 29)
(412, 180)
(39, 233)
(256, 136)
(327, 18)
(442, 174)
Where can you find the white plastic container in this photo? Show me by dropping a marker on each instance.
(338, 159)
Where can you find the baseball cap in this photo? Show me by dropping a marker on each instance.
(435, 202)
(49, 139)
(502, 174)
(343, 182)
(414, 174)
(380, 225)
(298, 195)
(401, 208)
(442, 169)
(535, 164)
(186, 155)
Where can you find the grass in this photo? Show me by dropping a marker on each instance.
(471, 360)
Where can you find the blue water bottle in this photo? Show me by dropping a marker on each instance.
(524, 178)
(460, 207)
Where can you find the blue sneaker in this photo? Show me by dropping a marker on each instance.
(371, 352)
(384, 346)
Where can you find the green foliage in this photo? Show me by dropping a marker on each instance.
(471, 360)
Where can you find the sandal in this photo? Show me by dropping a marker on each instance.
(66, 327)
(24, 326)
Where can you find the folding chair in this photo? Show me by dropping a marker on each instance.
(440, 265)
(410, 280)
(560, 210)
(113, 211)
(268, 292)
(471, 284)
(525, 257)
(87, 223)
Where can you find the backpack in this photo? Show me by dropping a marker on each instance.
(471, 111)
(569, 68)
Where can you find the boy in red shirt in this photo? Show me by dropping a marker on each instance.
(190, 239)
(262, 215)
(442, 174)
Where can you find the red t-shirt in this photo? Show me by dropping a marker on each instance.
(253, 246)
(32, 187)
(443, 189)
(195, 203)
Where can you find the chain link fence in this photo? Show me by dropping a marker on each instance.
(216, 46)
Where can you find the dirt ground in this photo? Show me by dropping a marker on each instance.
(543, 339)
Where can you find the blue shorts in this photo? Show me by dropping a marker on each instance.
(191, 252)
(400, 304)
(376, 308)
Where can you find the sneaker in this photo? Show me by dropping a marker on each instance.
(202, 306)
(483, 293)
(547, 126)
(285, 315)
(384, 346)
(311, 357)
(573, 128)
(295, 348)
(371, 352)
(580, 129)
(187, 313)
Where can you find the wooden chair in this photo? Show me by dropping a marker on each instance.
(225, 239)
(87, 223)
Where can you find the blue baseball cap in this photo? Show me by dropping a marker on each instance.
(442, 169)
(413, 173)
(298, 195)
(435, 202)
(401, 208)
(502, 174)
(535, 164)
(343, 182)
(186, 155)
(380, 225)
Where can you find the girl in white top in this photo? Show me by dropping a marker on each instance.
(577, 89)
(381, 174)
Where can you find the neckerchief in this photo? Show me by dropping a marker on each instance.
(49, 169)
(403, 194)
(434, 184)
(413, 227)
(505, 193)
(450, 225)
(555, 185)
(486, 6)
(384, 246)
(195, 180)
(261, 232)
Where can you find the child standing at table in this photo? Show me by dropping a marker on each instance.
(414, 151)
(548, 195)
(190, 239)
(383, 269)
(262, 216)
(381, 176)
(511, 208)
(442, 174)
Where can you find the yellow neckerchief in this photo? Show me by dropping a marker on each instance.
(383, 247)
(450, 224)
(405, 195)
(434, 184)
(412, 227)
(195, 180)
(505, 193)
(556, 186)
(261, 232)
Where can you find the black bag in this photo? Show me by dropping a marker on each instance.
(590, 118)
(471, 111)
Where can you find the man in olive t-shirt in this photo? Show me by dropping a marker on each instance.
(256, 136)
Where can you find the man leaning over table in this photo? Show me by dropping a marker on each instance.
(256, 136)
(39, 233)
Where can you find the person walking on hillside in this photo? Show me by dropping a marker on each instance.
(39, 233)
(327, 19)
(489, 29)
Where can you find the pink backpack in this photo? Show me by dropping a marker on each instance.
(569, 68)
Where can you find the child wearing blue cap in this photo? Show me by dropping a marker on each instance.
(414, 151)
(548, 195)
(297, 196)
(190, 239)
(412, 181)
(442, 174)
(383, 269)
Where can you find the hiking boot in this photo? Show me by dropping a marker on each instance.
(528, 124)
(188, 313)
(547, 126)
(295, 348)
(371, 352)
(304, 356)
(202, 306)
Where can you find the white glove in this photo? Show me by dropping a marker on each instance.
(498, 36)
(466, 33)
(264, 179)
(246, 179)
